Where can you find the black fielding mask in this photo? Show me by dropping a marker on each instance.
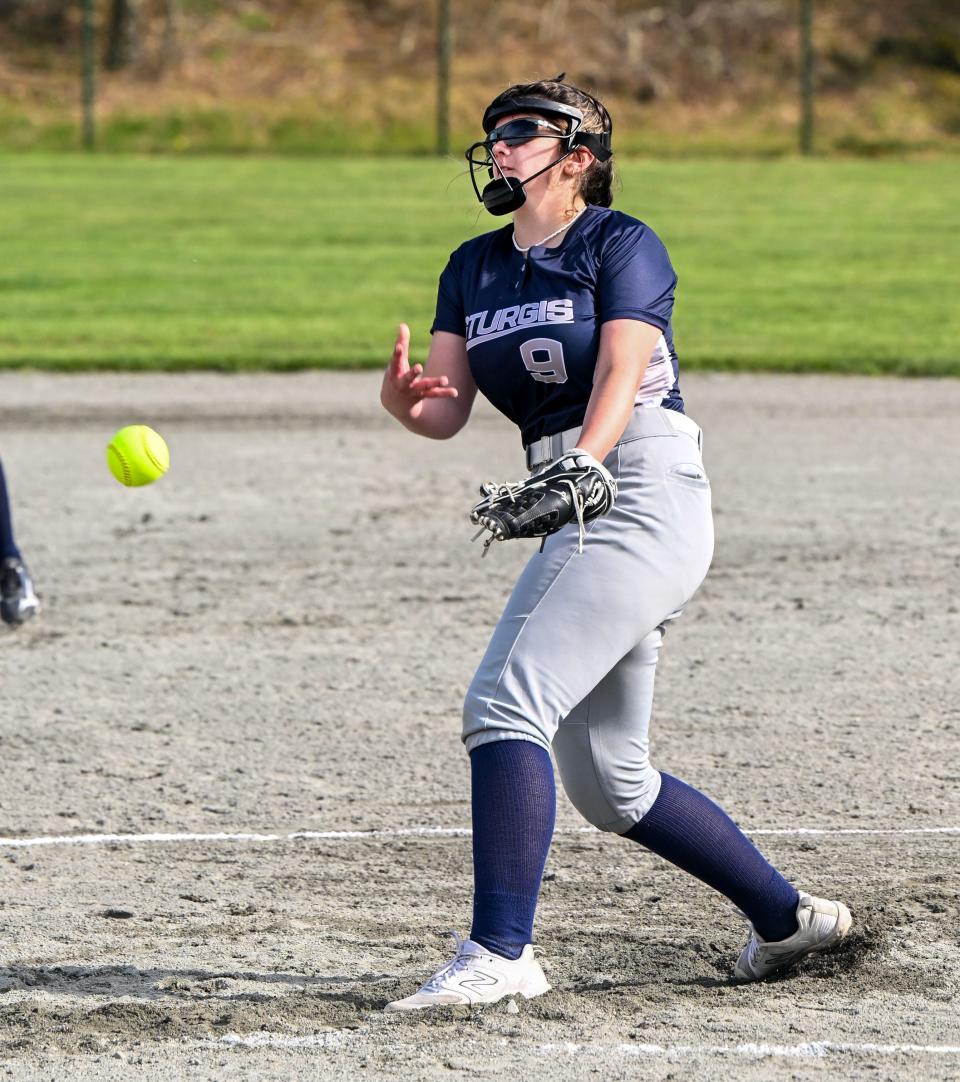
(503, 195)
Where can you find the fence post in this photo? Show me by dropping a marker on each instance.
(807, 76)
(443, 77)
(88, 47)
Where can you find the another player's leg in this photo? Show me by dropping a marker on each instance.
(18, 601)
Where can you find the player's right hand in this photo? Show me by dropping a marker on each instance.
(404, 386)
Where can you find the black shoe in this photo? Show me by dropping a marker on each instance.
(18, 602)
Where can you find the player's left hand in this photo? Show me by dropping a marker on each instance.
(575, 486)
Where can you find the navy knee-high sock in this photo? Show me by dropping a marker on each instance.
(8, 546)
(688, 829)
(514, 807)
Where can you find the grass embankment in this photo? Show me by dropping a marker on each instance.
(166, 263)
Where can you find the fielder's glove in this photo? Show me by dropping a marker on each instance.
(574, 486)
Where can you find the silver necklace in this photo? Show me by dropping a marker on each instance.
(555, 233)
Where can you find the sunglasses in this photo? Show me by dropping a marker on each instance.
(517, 132)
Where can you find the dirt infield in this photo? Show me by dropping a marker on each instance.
(275, 639)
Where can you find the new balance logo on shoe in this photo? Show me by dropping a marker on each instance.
(478, 980)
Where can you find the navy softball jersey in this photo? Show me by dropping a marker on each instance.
(532, 323)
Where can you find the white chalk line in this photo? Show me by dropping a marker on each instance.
(332, 1039)
(412, 832)
(807, 1050)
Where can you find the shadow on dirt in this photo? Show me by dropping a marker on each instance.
(157, 984)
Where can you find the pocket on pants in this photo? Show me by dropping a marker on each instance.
(691, 474)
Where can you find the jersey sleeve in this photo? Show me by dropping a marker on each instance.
(636, 279)
(450, 315)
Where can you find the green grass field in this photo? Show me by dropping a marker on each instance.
(241, 263)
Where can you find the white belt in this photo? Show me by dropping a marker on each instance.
(547, 448)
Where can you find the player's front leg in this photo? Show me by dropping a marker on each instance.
(514, 807)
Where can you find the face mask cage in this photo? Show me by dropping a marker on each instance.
(514, 133)
(546, 123)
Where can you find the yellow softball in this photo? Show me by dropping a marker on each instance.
(137, 455)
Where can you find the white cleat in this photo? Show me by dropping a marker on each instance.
(474, 975)
(822, 925)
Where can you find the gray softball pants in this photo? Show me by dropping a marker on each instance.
(572, 660)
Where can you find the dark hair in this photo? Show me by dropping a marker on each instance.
(596, 181)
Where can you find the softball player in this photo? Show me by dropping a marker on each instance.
(18, 602)
(563, 320)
